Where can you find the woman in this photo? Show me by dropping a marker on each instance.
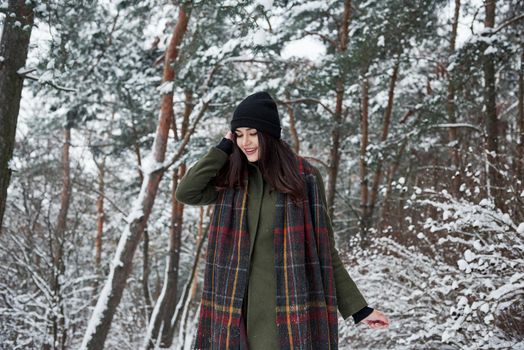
(273, 277)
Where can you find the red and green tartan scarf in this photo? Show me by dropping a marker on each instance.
(306, 306)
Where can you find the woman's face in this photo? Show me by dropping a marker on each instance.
(247, 141)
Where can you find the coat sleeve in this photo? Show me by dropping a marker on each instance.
(349, 299)
(195, 187)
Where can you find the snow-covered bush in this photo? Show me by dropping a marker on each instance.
(489, 284)
(460, 286)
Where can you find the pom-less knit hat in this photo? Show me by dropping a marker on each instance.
(257, 111)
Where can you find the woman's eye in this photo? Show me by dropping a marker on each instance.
(255, 134)
(238, 136)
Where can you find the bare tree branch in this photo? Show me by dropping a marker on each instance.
(507, 23)
(25, 74)
(84, 186)
(457, 125)
(314, 159)
(308, 100)
(323, 37)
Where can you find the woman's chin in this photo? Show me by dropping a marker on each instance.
(251, 158)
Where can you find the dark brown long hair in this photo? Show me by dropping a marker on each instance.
(277, 163)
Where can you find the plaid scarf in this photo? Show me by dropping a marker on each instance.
(306, 306)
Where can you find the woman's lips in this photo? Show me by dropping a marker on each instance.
(249, 153)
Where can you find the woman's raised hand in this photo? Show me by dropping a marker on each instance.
(229, 135)
(376, 320)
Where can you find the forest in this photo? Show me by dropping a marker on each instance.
(412, 110)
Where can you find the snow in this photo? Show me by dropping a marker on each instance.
(309, 7)
(41, 7)
(486, 203)
(150, 165)
(520, 229)
(469, 255)
(46, 76)
(490, 50)
(259, 37)
(118, 263)
(506, 289)
(156, 309)
(488, 319)
(219, 52)
(23, 70)
(458, 125)
(484, 308)
(463, 265)
(166, 87)
(267, 4)
(516, 277)
(308, 47)
(380, 41)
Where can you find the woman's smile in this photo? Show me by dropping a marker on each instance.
(247, 141)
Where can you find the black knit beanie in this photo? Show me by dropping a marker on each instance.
(257, 111)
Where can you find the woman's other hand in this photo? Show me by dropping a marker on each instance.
(376, 320)
(229, 135)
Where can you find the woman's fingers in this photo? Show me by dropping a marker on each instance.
(377, 325)
(377, 320)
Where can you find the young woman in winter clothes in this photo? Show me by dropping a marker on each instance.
(273, 278)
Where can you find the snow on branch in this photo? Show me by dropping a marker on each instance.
(43, 79)
(458, 125)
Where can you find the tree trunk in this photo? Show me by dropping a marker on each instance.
(490, 115)
(13, 55)
(136, 148)
(145, 242)
(200, 234)
(175, 236)
(519, 161)
(65, 196)
(57, 319)
(186, 292)
(520, 123)
(391, 175)
(100, 322)
(65, 200)
(364, 115)
(385, 130)
(167, 303)
(292, 127)
(100, 216)
(145, 273)
(452, 132)
(334, 158)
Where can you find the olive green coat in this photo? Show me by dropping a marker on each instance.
(259, 305)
